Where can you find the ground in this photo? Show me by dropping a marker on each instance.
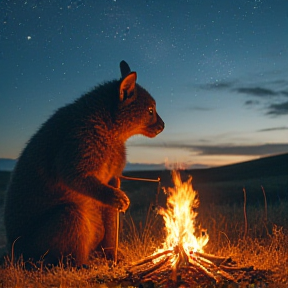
(254, 233)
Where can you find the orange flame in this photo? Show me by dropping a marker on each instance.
(180, 216)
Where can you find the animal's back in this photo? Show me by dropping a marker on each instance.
(29, 193)
(37, 184)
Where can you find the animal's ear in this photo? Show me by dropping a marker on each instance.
(127, 87)
(124, 68)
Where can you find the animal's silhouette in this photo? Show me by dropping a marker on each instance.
(64, 193)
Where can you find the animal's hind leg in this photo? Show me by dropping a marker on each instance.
(65, 231)
(111, 224)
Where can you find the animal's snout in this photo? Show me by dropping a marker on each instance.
(160, 124)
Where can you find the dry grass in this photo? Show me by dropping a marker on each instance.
(98, 273)
(254, 235)
(265, 247)
(139, 240)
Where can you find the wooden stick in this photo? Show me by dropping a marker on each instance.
(206, 262)
(236, 268)
(215, 259)
(140, 179)
(226, 275)
(117, 238)
(245, 213)
(118, 184)
(153, 268)
(212, 267)
(163, 266)
(152, 257)
(204, 270)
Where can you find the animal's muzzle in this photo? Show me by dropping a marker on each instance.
(159, 125)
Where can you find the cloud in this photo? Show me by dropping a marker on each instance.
(251, 102)
(265, 94)
(257, 91)
(226, 149)
(283, 82)
(252, 91)
(265, 149)
(163, 166)
(143, 166)
(278, 109)
(285, 93)
(273, 129)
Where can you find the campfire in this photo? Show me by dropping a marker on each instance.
(181, 260)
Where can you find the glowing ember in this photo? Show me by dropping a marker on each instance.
(179, 217)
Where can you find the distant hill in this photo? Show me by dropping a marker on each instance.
(264, 167)
(225, 184)
(141, 167)
(153, 167)
(7, 164)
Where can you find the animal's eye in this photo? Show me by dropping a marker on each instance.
(151, 110)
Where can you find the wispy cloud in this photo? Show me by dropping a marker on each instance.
(285, 93)
(278, 109)
(163, 166)
(264, 149)
(257, 91)
(273, 129)
(282, 82)
(143, 166)
(251, 102)
(263, 93)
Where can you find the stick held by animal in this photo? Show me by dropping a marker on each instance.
(64, 194)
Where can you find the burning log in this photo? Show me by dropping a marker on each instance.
(197, 268)
(181, 261)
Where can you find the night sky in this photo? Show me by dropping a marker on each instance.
(218, 71)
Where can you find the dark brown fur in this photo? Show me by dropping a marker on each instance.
(63, 196)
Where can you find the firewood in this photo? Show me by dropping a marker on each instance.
(204, 267)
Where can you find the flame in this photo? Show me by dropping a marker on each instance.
(180, 217)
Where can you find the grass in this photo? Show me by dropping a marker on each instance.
(255, 236)
(265, 246)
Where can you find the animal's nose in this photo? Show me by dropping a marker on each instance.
(161, 124)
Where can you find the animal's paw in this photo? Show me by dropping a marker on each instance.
(120, 201)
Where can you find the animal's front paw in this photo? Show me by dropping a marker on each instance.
(121, 201)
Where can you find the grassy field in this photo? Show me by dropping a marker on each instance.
(258, 237)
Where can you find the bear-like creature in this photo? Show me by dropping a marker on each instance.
(64, 194)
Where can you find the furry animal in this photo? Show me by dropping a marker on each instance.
(64, 193)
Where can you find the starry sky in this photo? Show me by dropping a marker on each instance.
(218, 71)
